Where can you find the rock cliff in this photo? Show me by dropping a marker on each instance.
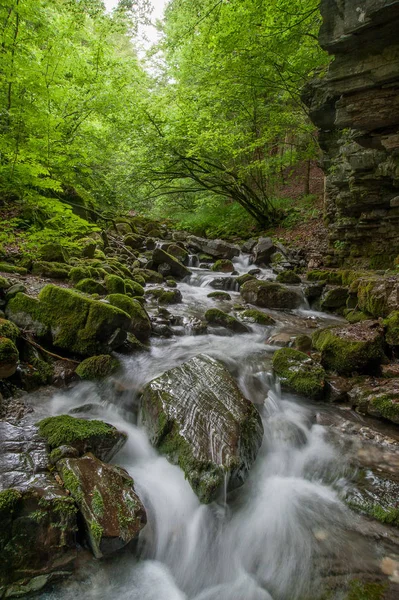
(356, 108)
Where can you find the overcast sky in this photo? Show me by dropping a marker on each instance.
(149, 32)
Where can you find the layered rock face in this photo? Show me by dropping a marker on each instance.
(356, 108)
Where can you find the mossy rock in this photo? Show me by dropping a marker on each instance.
(115, 284)
(138, 279)
(91, 286)
(88, 247)
(303, 343)
(223, 265)
(267, 294)
(97, 367)
(332, 277)
(241, 279)
(4, 283)
(391, 328)
(98, 437)
(357, 347)
(378, 296)
(355, 316)
(35, 370)
(53, 252)
(214, 316)
(147, 275)
(219, 295)
(335, 298)
(134, 241)
(81, 272)
(140, 324)
(171, 283)
(178, 252)
(8, 329)
(53, 270)
(298, 372)
(70, 320)
(6, 268)
(288, 277)
(133, 288)
(380, 400)
(163, 296)
(9, 357)
(257, 316)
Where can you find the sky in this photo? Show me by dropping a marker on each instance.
(149, 31)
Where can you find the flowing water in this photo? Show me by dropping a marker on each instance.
(273, 539)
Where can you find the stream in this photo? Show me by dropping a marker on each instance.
(276, 538)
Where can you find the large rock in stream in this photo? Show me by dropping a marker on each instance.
(197, 416)
(215, 248)
(269, 294)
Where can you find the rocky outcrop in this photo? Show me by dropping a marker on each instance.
(215, 248)
(356, 108)
(196, 415)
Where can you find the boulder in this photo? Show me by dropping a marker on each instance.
(334, 298)
(146, 276)
(379, 400)
(70, 321)
(215, 248)
(288, 277)
(249, 245)
(115, 284)
(132, 240)
(177, 269)
(196, 415)
(9, 357)
(37, 517)
(8, 329)
(256, 316)
(7, 268)
(241, 279)
(140, 324)
(112, 512)
(179, 252)
(103, 440)
(263, 251)
(224, 265)
(53, 252)
(219, 295)
(298, 372)
(214, 316)
(91, 286)
(378, 296)
(357, 347)
(163, 296)
(133, 288)
(268, 294)
(391, 329)
(53, 270)
(97, 367)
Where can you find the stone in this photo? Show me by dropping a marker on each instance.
(53, 252)
(70, 320)
(9, 357)
(391, 328)
(249, 245)
(215, 248)
(224, 283)
(214, 316)
(177, 269)
(334, 298)
(140, 324)
(263, 251)
(219, 295)
(267, 294)
(298, 372)
(8, 329)
(179, 252)
(103, 440)
(52, 270)
(381, 400)
(338, 388)
(7, 268)
(303, 343)
(241, 279)
(97, 367)
(256, 316)
(173, 296)
(183, 408)
(378, 296)
(14, 289)
(351, 348)
(114, 284)
(288, 277)
(112, 511)
(132, 240)
(91, 286)
(224, 265)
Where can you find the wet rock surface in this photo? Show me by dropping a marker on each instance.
(197, 416)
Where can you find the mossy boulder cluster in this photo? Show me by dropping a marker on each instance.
(183, 408)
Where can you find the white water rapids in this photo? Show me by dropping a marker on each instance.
(274, 538)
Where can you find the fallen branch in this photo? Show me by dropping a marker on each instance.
(36, 345)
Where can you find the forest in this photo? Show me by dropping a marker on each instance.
(203, 129)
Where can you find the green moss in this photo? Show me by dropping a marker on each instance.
(53, 252)
(8, 330)
(244, 278)
(166, 296)
(138, 279)
(64, 430)
(386, 405)
(373, 296)
(9, 499)
(96, 531)
(147, 275)
(6, 268)
(224, 265)
(133, 288)
(355, 316)
(4, 283)
(333, 277)
(78, 273)
(218, 317)
(90, 286)
(288, 277)
(365, 591)
(219, 295)
(392, 328)
(299, 372)
(97, 504)
(256, 316)
(171, 283)
(8, 351)
(97, 367)
(115, 284)
(52, 270)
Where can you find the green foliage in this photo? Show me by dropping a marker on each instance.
(64, 430)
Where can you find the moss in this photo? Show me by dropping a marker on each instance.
(355, 316)
(90, 286)
(139, 279)
(359, 590)
(344, 354)
(166, 296)
(133, 288)
(244, 278)
(97, 504)
(115, 284)
(148, 276)
(53, 252)
(4, 283)
(299, 372)
(9, 499)
(391, 324)
(372, 295)
(303, 343)
(8, 351)
(288, 277)
(97, 367)
(224, 265)
(6, 268)
(386, 405)
(171, 283)
(219, 295)
(218, 317)
(122, 269)
(78, 273)
(8, 329)
(333, 277)
(256, 316)
(52, 270)
(64, 430)
(96, 531)
(129, 305)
